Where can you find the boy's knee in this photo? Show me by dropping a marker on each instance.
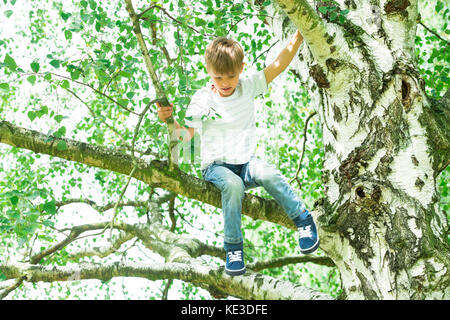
(267, 175)
(234, 185)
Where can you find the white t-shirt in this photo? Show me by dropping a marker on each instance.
(226, 124)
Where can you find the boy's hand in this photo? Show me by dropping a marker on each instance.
(164, 112)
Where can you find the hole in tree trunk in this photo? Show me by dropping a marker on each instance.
(360, 192)
(406, 88)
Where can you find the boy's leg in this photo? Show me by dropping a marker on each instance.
(232, 190)
(258, 173)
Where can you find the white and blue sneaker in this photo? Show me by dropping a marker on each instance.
(235, 265)
(308, 238)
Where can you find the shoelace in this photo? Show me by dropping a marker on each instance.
(235, 256)
(305, 232)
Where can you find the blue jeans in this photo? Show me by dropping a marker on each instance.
(232, 180)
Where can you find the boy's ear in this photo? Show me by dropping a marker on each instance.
(243, 64)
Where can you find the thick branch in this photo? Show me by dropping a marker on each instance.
(249, 286)
(156, 173)
(311, 26)
(181, 253)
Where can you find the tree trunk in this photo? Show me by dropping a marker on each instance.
(384, 147)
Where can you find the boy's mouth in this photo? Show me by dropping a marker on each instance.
(226, 89)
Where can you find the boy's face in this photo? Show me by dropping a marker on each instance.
(225, 83)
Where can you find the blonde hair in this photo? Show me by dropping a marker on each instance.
(224, 55)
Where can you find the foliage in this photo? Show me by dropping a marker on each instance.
(432, 51)
(75, 70)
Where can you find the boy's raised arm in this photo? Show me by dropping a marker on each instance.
(284, 58)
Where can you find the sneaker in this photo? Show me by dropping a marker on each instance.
(235, 263)
(308, 239)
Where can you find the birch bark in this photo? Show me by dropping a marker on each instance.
(380, 216)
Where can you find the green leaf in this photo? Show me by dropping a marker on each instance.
(59, 118)
(55, 63)
(42, 111)
(65, 16)
(14, 200)
(61, 146)
(31, 115)
(333, 16)
(8, 13)
(34, 66)
(439, 6)
(92, 4)
(68, 34)
(4, 86)
(32, 79)
(65, 84)
(10, 63)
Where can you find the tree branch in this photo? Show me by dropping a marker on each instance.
(74, 233)
(180, 252)
(12, 287)
(299, 166)
(250, 286)
(155, 174)
(97, 207)
(172, 140)
(92, 88)
(283, 261)
(311, 26)
(106, 250)
(434, 33)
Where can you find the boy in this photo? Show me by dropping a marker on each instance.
(223, 112)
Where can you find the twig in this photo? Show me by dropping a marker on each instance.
(265, 52)
(104, 251)
(74, 233)
(135, 165)
(111, 225)
(166, 289)
(172, 141)
(13, 287)
(171, 214)
(283, 261)
(93, 89)
(303, 150)
(434, 32)
(139, 16)
(97, 207)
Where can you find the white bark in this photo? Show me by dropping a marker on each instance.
(381, 222)
(250, 286)
(180, 254)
